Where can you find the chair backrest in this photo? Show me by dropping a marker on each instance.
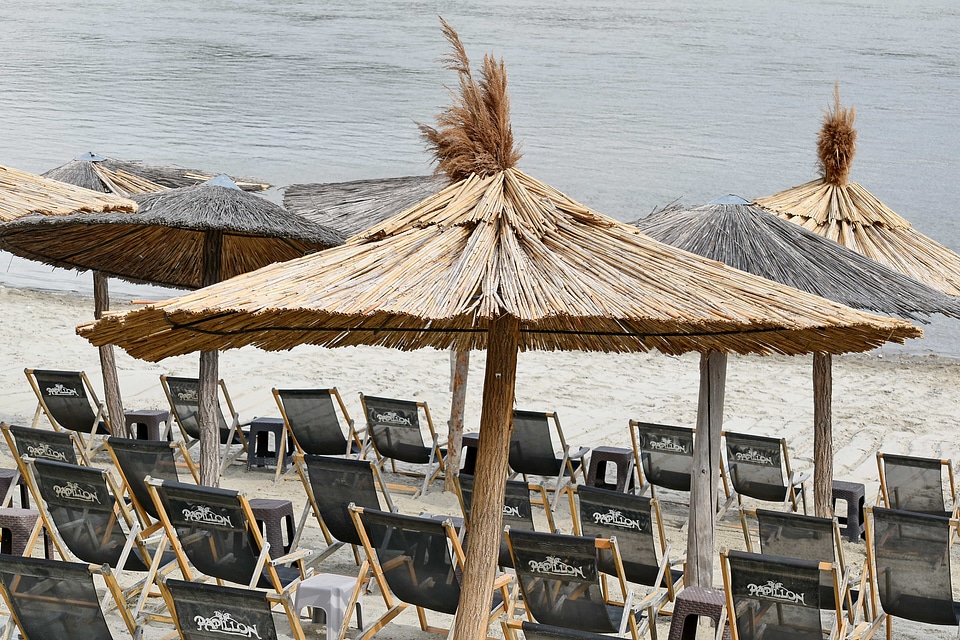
(60, 446)
(66, 398)
(86, 513)
(910, 553)
(909, 483)
(337, 482)
(664, 453)
(559, 576)
(756, 466)
(534, 631)
(517, 509)
(531, 447)
(204, 611)
(137, 459)
(52, 599)
(774, 596)
(312, 419)
(183, 394)
(629, 518)
(415, 557)
(394, 426)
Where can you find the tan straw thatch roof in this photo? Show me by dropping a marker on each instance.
(89, 171)
(23, 193)
(847, 213)
(175, 177)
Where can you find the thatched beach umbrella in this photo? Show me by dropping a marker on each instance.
(23, 193)
(186, 238)
(502, 262)
(847, 213)
(747, 237)
(176, 177)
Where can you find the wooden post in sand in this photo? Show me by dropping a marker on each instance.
(209, 374)
(706, 471)
(108, 362)
(822, 434)
(460, 369)
(499, 382)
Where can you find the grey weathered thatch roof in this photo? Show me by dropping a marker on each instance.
(746, 237)
(163, 242)
(23, 193)
(351, 207)
(175, 177)
(88, 171)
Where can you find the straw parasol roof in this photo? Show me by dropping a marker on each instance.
(23, 193)
(351, 207)
(162, 243)
(846, 212)
(89, 171)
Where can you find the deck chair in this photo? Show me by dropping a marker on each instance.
(331, 485)
(534, 631)
(517, 509)
(908, 483)
(636, 524)
(908, 560)
(68, 401)
(82, 509)
(663, 455)
(183, 394)
(62, 446)
(532, 452)
(806, 537)
(393, 427)
(55, 599)
(137, 459)
(417, 561)
(759, 467)
(213, 531)
(777, 597)
(563, 586)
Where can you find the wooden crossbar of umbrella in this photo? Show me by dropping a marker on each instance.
(502, 262)
(749, 238)
(185, 238)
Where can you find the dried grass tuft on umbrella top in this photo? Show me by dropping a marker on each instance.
(847, 213)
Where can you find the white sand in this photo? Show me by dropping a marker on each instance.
(896, 404)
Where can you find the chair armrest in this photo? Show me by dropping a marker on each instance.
(579, 453)
(290, 557)
(799, 477)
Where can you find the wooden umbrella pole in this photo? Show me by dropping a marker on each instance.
(108, 362)
(706, 471)
(496, 418)
(209, 374)
(823, 434)
(461, 366)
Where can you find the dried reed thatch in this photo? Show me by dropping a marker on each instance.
(88, 171)
(163, 242)
(747, 237)
(351, 207)
(175, 177)
(23, 193)
(847, 213)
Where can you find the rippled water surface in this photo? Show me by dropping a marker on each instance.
(625, 106)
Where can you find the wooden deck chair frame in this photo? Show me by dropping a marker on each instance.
(883, 496)
(435, 466)
(394, 605)
(233, 424)
(90, 439)
(354, 437)
(791, 481)
(136, 537)
(114, 591)
(839, 631)
(510, 628)
(568, 473)
(21, 469)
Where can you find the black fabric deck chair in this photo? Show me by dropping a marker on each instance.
(776, 597)
(137, 459)
(183, 394)
(908, 555)
(563, 585)
(532, 452)
(663, 454)
(909, 483)
(83, 510)
(68, 401)
(54, 599)
(331, 485)
(759, 467)
(393, 427)
(517, 509)
(62, 446)
(534, 631)
(796, 535)
(417, 561)
(636, 524)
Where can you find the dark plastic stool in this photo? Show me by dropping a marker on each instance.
(273, 516)
(16, 525)
(6, 477)
(691, 604)
(260, 451)
(147, 423)
(597, 473)
(851, 525)
(468, 453)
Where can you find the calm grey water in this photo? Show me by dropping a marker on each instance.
(625, 106)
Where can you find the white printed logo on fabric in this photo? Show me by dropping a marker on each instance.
(511, 510)
(203, 513)
(392, 417)
(667, 444)
(752, 455)
(223, 622)
(76, 492)
(60, 390)
(775, 591)
(188, 395)
(614, 518)
(555, 566)
(44, 451)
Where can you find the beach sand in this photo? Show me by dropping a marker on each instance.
(896, 404)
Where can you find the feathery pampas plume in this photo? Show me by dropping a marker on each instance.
(837, 142)
(473, 135)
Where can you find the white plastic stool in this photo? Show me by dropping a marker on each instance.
(331, 593)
